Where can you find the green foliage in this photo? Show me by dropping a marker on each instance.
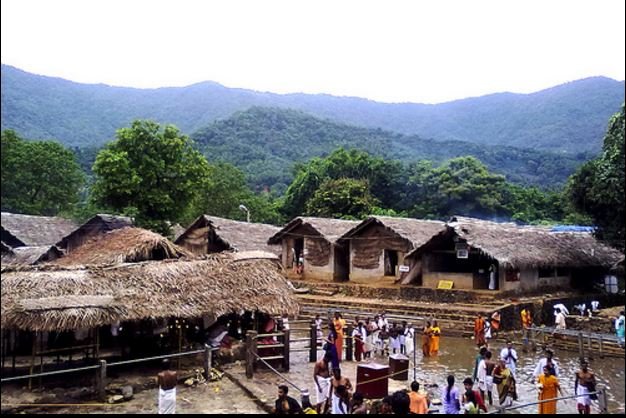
(384, 178)
(224, 189)
(150, 173)
(597, 188)
(461, 186)
(38, 177)
(344, 198)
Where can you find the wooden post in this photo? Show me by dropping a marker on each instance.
(32, 360)
(207, 362)
(349, 343)
(250, 353)
(97, 331)
(286, 351)
(313, 340)
(101, 380)
(581, 345)
(601, 347)
(602, 399)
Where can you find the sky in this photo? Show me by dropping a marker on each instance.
(422, 51)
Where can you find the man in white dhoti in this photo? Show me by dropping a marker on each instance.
(322, 378)
(584, 384)
(167, 389)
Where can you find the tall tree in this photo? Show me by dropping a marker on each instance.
(342, 198)
(225, 189)
(597, 188)
(38, 177)
(149, 172)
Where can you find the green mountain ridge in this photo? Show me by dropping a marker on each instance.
(569, 118)
(266, 143)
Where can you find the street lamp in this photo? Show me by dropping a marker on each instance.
(245, 209)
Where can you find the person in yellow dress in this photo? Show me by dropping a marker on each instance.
(548, 385)
(434, 338)
(339, 323)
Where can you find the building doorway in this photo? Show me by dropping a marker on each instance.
(391, 262)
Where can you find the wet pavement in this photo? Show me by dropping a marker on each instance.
(456, 357)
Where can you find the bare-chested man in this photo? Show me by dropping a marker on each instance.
(337, 380)
(321, 377)
(584, 383)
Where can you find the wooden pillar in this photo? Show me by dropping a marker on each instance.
(207, 362)
(349, 343)
(101, 377)
(286, 350)
(313, 341)
(32, 360)
(97, 355)
(581, 345)
(250, 353)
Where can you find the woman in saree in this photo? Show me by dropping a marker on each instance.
(548, 385)
(434, 339)
(503, 378)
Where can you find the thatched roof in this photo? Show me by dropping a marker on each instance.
(235, 235)
(125, 245)
(51, 298)
(528, 246)
(415, 231)
(101, 222)
(31, 255)
(177, 231)
(30, 230)
(329, 229)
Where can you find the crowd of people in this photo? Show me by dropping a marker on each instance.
(493, 384)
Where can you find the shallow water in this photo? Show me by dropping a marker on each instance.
(457, 357)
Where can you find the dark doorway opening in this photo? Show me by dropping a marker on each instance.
(391, 262)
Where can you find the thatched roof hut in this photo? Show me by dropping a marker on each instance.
(97, 225)
(210, 234)
(55, 298)
(328, 229)
(31, 255)
(29, 230)
(518, 247)
(414, 232)
(125, 245)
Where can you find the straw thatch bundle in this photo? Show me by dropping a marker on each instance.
(56, 298)
(125, 245)
(531, 247)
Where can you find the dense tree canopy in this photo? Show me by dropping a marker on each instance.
(149, 172)
(597, 188)
(38, 177)
(344, 198)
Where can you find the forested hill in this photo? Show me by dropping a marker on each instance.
(568, 118)
(265, 143)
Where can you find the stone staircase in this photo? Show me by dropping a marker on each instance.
(455, 319)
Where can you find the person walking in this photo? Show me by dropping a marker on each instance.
(503, 378)
(485, 377)
(527, 322)
(548, 385)
(548, 360)
(468, 384)
(339, 323)
(619, 328)
(322, 378)
(584, 384)
(495, 323)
